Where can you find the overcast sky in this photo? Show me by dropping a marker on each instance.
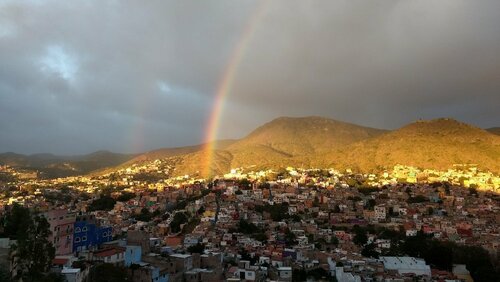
(128, 76)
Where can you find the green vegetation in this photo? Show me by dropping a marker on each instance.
(440, 255)
(368, 190)
(33, 253)
(370, 204)
(318, 274)
(104, 203)
(417, 199)
(360, 238)
(107, 272)
(146, 215)
(149, 177)
(196, 249)
(369, 251)
(125, 196)
(179, 219)
(443, 255)
(182, 203)
(278, 212)
(246, 227)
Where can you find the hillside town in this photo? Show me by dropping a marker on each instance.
(291, 224)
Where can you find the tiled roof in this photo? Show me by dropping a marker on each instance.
(109, 252)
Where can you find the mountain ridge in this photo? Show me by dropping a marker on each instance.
(316, 142)
(437, 143)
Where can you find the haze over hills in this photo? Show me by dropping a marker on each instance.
(308, 142)
(178, 151)
(60, 166)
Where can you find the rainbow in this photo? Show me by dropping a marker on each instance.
(225, 85)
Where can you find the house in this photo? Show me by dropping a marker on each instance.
(380, 213)
(183, 262)
(133, 255)
(147, 272)
(114, 255)
(88, 234)
(284, 273)
(405, 265)
(61, 225)
(139, 238)
(72, 274)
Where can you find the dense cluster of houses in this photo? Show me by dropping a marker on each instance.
(259, 226)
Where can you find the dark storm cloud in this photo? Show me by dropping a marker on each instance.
(78, 76)
(377, 63)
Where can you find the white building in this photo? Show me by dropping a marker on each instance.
(380, 212)
(72, 274)
(406, 265)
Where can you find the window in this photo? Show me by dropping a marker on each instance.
(77, 230)
(84, 229)
(77, 240)
(84, 238)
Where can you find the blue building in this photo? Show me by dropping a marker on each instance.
(88, 234)
(133, 255)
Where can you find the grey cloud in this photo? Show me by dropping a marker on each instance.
(377, 63)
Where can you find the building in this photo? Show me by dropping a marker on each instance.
(72, 274)
(114, 255)
(62, 226)
(88, 234)
(380, 213)
(133, 255)
(404, 265)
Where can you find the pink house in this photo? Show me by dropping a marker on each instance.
(61, 225)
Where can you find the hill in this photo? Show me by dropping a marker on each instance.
(51, 166)
(303, 142)
(178, 151)
(434, 144)
(282, 142)
(494, 130)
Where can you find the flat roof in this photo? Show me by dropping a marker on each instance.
(180, 255)
(70, 270)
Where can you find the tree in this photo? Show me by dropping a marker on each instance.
(360, 237)
(316, 202)
(33, 253)
(261, 236)
(4, 274)
(105, 203)
(417, 199)
(334, 241)
(196, 249)
(125, 196)
(369, 251)
(179, 218)
(145, 215)
(16, 222)
(107, 272)
(290, 238)
(370, 204)
(247, 227)
(430, 210)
